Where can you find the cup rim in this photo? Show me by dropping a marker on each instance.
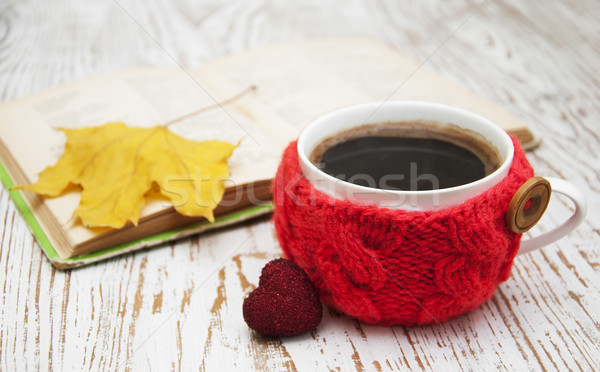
(503, 168)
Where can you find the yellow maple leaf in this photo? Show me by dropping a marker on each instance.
(116, 165)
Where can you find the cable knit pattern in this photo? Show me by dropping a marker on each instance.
(390, 267)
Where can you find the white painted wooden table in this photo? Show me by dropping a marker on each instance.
(178, 306)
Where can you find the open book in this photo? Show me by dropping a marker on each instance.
(295, 83)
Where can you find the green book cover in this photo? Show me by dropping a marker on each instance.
(65, 263)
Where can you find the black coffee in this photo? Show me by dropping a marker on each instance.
(397, 162)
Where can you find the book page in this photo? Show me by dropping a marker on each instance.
(295, 84)
(298, 82)
(143, 97)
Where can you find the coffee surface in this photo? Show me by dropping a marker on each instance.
(405, 159)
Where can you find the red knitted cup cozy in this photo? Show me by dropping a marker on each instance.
(390, 267)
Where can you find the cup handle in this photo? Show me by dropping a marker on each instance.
(529, 204)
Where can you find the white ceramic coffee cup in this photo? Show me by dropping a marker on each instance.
(355, 116)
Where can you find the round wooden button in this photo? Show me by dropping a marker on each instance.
(528, 204)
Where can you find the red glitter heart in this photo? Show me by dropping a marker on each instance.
(285, 302)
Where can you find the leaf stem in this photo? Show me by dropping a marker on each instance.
(249, 89)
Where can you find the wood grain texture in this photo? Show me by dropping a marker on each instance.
(178, 306)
